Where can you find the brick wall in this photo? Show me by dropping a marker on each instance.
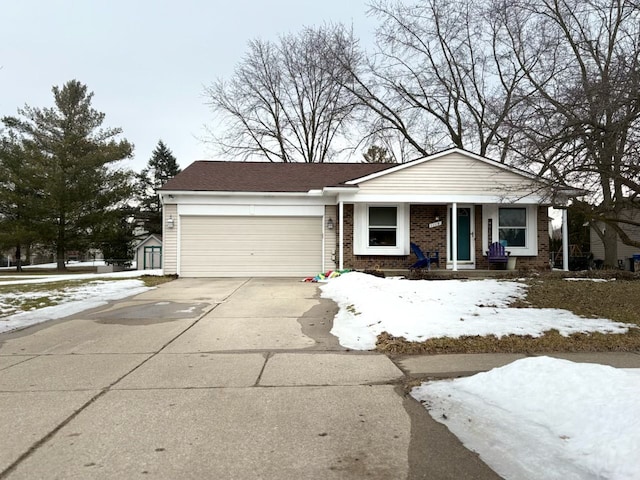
(541, 262)
(430, 239)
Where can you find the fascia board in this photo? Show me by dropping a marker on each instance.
(443, 199)
(219, 193)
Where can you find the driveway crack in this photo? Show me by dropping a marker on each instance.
(267, 356)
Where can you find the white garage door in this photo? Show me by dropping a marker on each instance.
(250, 246)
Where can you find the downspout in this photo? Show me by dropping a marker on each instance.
(454, 235)
(565, 240)
(341, 235)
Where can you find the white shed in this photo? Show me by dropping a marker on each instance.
(149, 253)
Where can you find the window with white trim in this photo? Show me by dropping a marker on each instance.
(512, 226)
(381, 229)
(383, 226)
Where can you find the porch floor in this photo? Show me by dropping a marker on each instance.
(460, 274)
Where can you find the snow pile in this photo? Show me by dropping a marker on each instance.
(545, 418)
(423, 309)
(72, 300)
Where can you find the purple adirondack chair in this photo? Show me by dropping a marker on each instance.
(497, 255)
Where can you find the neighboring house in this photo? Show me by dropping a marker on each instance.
(149, 253)
(295, 219)
(625, 252)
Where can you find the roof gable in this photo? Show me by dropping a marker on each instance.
(454, 172)
(440, 155)
(151, 237)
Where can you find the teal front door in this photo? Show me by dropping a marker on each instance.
(464, 233)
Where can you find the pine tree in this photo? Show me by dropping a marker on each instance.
(72, 162)
(376, 154)
(20, 207)
(161, 167)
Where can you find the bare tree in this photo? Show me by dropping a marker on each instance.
(582, 124)
(439, 76)
(283, 102)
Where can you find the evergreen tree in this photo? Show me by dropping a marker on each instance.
(72, 165)
(161, 167)
(376, 154)
(116, 242)
(20, 208)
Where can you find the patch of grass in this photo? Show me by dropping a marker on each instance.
(37, 302)
(155, 280)
(40, 287)
(551, 341)
(617, 300)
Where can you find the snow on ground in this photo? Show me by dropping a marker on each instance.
(20, 279)
(422, 309)
(31, 279)
(71, 299)
(544, 418)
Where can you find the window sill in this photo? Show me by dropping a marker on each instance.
(381, 251)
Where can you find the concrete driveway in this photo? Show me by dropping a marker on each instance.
(212, 378)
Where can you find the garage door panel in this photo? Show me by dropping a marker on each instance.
(250, 246)
(243, 248)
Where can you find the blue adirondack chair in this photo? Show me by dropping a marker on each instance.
(424, 261)
(496, 254)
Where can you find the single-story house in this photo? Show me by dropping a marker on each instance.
(625, 252)
(296, 219)
(148, 253)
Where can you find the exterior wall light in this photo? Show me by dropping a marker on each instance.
(330, 225)
(170, 222)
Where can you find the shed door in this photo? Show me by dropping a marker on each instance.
(250, 246)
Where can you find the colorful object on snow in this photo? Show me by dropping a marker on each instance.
(326, 276)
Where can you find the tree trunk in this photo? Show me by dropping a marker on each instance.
(61, 267)
(18, 258)
(610, 242)
(61, 249)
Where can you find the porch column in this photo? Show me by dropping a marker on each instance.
(565, 241)
(341, 236)
(454, 235)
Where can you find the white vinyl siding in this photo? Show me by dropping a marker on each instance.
(330, 240)
(452, 174)
(227, 246)
(624, 251)
(170, 240)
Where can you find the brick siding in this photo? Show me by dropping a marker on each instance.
(430, 239)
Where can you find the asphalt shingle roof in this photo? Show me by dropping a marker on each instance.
(268, 177)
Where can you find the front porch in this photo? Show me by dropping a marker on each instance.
(448, 274)
(461, 245)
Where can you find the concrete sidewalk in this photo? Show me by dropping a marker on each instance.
(222, 378)
(459, 365)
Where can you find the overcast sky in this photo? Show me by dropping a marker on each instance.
(146, 60)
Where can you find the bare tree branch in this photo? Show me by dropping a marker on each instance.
(283, 102)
